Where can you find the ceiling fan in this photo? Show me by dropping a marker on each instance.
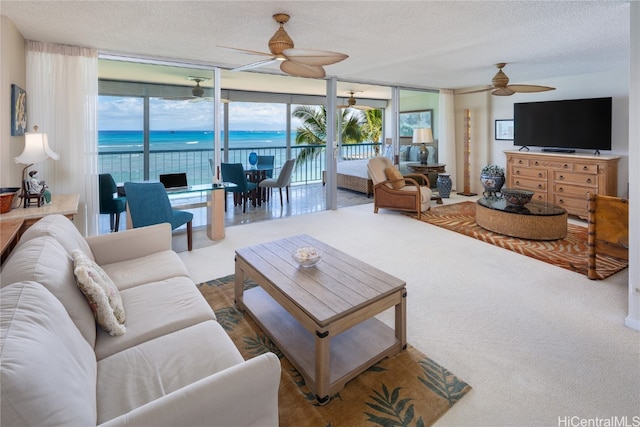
(197, 92)
(501, 87)
(295, 62)
(351, 103)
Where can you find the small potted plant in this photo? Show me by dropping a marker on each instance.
(492, 178)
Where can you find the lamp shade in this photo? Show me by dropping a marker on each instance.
(36, 149)
(422, 136)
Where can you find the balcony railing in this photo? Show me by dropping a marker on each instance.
(129, 165)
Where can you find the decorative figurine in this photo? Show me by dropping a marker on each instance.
(37, 186)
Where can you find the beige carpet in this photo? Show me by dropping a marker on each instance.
(406, 389)
(535, 341)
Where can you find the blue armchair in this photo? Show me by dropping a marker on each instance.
(149, 204)
(234, 172)
(113, 206)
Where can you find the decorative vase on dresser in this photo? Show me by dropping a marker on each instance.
(444, 185)
(492, 179)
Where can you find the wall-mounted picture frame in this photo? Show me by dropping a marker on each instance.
(410, 120)
(504, 130)
(18, 111)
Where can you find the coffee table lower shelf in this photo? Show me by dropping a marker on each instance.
(351, 352)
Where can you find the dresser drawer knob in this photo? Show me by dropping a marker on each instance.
(566, 166)
(517, 182)
(519, 162)
(539, 174)
(561, 201)
(561, 177)
(589, 181)
(560, 190)
(518, 172)
(540, 186)
(585, 168)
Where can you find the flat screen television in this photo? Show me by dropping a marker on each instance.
(563, 125)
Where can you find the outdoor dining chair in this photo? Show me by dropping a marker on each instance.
(235, 173)
(283, 180)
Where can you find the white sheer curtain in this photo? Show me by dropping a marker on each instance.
(62, 97)
(447, 133)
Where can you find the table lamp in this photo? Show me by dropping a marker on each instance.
(423, 136)
(36, 149)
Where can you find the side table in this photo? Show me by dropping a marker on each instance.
(9, 236)
(426, 169)
(63, 204)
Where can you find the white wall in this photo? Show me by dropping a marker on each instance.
(485, 109)
(12, 71)
(614, 84)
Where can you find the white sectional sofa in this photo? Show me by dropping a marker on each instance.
(174, 365)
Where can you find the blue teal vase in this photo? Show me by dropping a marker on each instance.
(253, 159)
(444, 185)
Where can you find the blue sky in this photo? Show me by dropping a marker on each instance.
(126, 113)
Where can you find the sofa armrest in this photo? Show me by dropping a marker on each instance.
(242, 395)
(130, 244)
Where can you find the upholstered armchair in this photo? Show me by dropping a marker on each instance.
(392, 190)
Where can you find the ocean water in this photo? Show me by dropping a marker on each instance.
(118, 140)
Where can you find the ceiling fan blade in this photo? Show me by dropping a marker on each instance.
(302, 70)
(255, 65)
(313, 56)
(246, 51)
(502, 91)
(529, 88)
(475, 91)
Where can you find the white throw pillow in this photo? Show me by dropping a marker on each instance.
(101, 293)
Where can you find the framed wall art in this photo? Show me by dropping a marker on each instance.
(411, 120)
(504, 130)
(18, 111)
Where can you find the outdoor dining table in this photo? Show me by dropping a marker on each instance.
(256, 174)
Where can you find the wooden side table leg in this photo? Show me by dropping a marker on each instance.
(401, 320)
(239, 287)
(323, 366)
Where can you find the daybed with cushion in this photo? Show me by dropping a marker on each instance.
(353, 174)
(169, 363)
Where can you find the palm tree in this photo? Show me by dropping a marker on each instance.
(372, 128)
(313, 131)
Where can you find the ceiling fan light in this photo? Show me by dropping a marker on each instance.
(280, 42)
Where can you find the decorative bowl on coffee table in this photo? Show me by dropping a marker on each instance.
(306, 256)
(516, 196)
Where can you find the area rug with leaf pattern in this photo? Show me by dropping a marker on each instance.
(408, 389)
(570, 252)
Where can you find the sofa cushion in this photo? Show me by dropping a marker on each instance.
(154, 310)
(44, 260)
(151, 268)
(49, 370)
(394, 175)
(60, 228)
(102, 295)
(136, 376)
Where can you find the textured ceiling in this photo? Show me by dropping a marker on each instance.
(425, 44)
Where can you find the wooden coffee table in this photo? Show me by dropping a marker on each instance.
(321, 317)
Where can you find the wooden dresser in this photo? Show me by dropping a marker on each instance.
(563, 179)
